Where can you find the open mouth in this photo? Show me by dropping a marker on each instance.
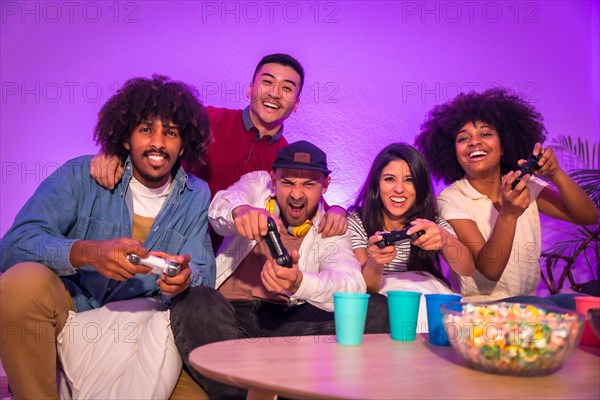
(271, 105)
(156, 157)
(477, 154)
(296, 209)
(398, 200)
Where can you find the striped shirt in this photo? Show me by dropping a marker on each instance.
(400, 262)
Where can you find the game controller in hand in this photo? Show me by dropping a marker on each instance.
(527, 168)
(158, 265)
(394, 236)
(278, 252)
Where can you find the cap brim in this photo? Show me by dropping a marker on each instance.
(304, 167)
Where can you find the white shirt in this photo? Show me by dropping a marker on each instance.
(522, 273)
(147, 202)
(328, 265)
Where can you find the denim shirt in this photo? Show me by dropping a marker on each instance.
(69, 205)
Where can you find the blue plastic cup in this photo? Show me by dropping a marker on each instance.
(350, 314)
(404, 311)
(437, 332)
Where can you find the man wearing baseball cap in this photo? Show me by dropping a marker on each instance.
(255, 296)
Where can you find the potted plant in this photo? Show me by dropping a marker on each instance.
(580, 247)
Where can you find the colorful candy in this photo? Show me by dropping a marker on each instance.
(514, 338)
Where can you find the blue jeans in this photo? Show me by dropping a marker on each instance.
(203, 315)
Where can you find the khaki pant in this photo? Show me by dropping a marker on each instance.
(187, 389)
(34, 306)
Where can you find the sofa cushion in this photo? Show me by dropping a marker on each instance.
(124, 350)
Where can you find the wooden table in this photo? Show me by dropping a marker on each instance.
(381, 368)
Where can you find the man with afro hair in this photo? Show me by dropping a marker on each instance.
(68, 247)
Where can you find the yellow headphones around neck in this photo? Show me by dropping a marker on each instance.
(296, 231)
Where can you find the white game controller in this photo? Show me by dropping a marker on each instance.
(158, 265)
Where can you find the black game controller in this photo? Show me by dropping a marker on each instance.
(278, 252)
(527, 168)
(394, 236)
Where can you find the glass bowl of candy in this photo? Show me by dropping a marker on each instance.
(512, 338)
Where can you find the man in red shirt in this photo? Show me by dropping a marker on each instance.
(245, 140)
(248, 140)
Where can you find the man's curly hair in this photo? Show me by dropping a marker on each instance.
(141, 99)
(518, 124)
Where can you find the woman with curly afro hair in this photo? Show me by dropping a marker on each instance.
(476, 143)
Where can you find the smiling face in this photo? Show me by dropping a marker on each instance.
(273, 96)
(478, 150)
(397, 193)
(154, 147)
(298, 193)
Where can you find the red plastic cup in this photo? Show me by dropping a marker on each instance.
(582, 305)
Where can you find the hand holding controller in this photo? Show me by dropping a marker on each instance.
(527, 168)
(158, 265)
(278, 252)
(394, 236)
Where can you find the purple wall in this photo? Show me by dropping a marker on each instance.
(373, 69)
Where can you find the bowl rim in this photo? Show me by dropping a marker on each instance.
(445, 308)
